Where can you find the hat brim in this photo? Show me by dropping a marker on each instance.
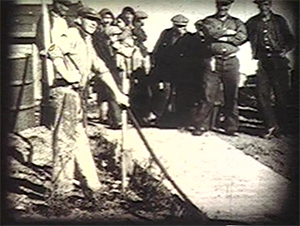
(91, 17)
(181, 24)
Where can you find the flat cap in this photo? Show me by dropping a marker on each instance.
(105, 11)
(64, 2)
(261, 1)
(224, 2)
(141, 14)
(180, 20)
(87, 12)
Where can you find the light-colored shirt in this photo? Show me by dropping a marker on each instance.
(59, 26)
(76, 48)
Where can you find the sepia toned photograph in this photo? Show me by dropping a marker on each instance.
(134, 112)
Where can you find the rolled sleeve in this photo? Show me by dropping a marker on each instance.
(98, 65)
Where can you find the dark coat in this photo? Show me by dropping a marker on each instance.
(193, 58)
(166, 55)
(282, 36)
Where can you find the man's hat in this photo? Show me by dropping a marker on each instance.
(106, 11)
(261, 1)
(87, 12)
(64, 2)
(224, 2)
(180, 20)
(141, 15)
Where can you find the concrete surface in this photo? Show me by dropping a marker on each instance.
(220, 179)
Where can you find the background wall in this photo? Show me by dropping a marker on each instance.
(161, 11)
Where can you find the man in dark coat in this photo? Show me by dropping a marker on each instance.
(168, 65)
(209, 93)
(271, 39)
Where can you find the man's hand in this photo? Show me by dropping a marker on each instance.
(230, 32)
(122, 99)
(224, 39)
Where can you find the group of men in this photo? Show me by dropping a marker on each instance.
(201, 68)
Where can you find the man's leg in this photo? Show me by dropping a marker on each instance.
(263, 87)
(230, 78)
(64, 104)
(84, 159)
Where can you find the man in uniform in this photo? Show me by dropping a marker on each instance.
(75, 58)
(167, 65)
(227, 33)
(271, 39)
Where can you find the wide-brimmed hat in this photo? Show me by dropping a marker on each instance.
(89, 13)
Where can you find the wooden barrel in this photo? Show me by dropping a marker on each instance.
(21, 96)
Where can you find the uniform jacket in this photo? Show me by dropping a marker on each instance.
(281, 36)
(217, 29)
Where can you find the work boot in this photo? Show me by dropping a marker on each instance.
(273, 132)
(199, 131)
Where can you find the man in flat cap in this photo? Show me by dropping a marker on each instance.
(271, 39)
(227, 33)
(75, 59)
(139, 88)
(167, 63)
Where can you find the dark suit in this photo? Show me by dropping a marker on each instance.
(269, 39)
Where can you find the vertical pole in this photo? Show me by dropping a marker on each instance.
(125, 89)
(47, 66)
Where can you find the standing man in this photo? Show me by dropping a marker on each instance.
(209, 91)
(271, 39)
(75, 58)
(103, 46)
(139, 88)
(167, 63)
(227, 33)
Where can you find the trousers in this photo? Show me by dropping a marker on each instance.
(228, 71)
(204, 115)
(273, 75)
(70, 143)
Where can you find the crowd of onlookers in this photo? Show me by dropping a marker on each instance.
(191, 77)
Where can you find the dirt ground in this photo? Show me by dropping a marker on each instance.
(146, 200)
